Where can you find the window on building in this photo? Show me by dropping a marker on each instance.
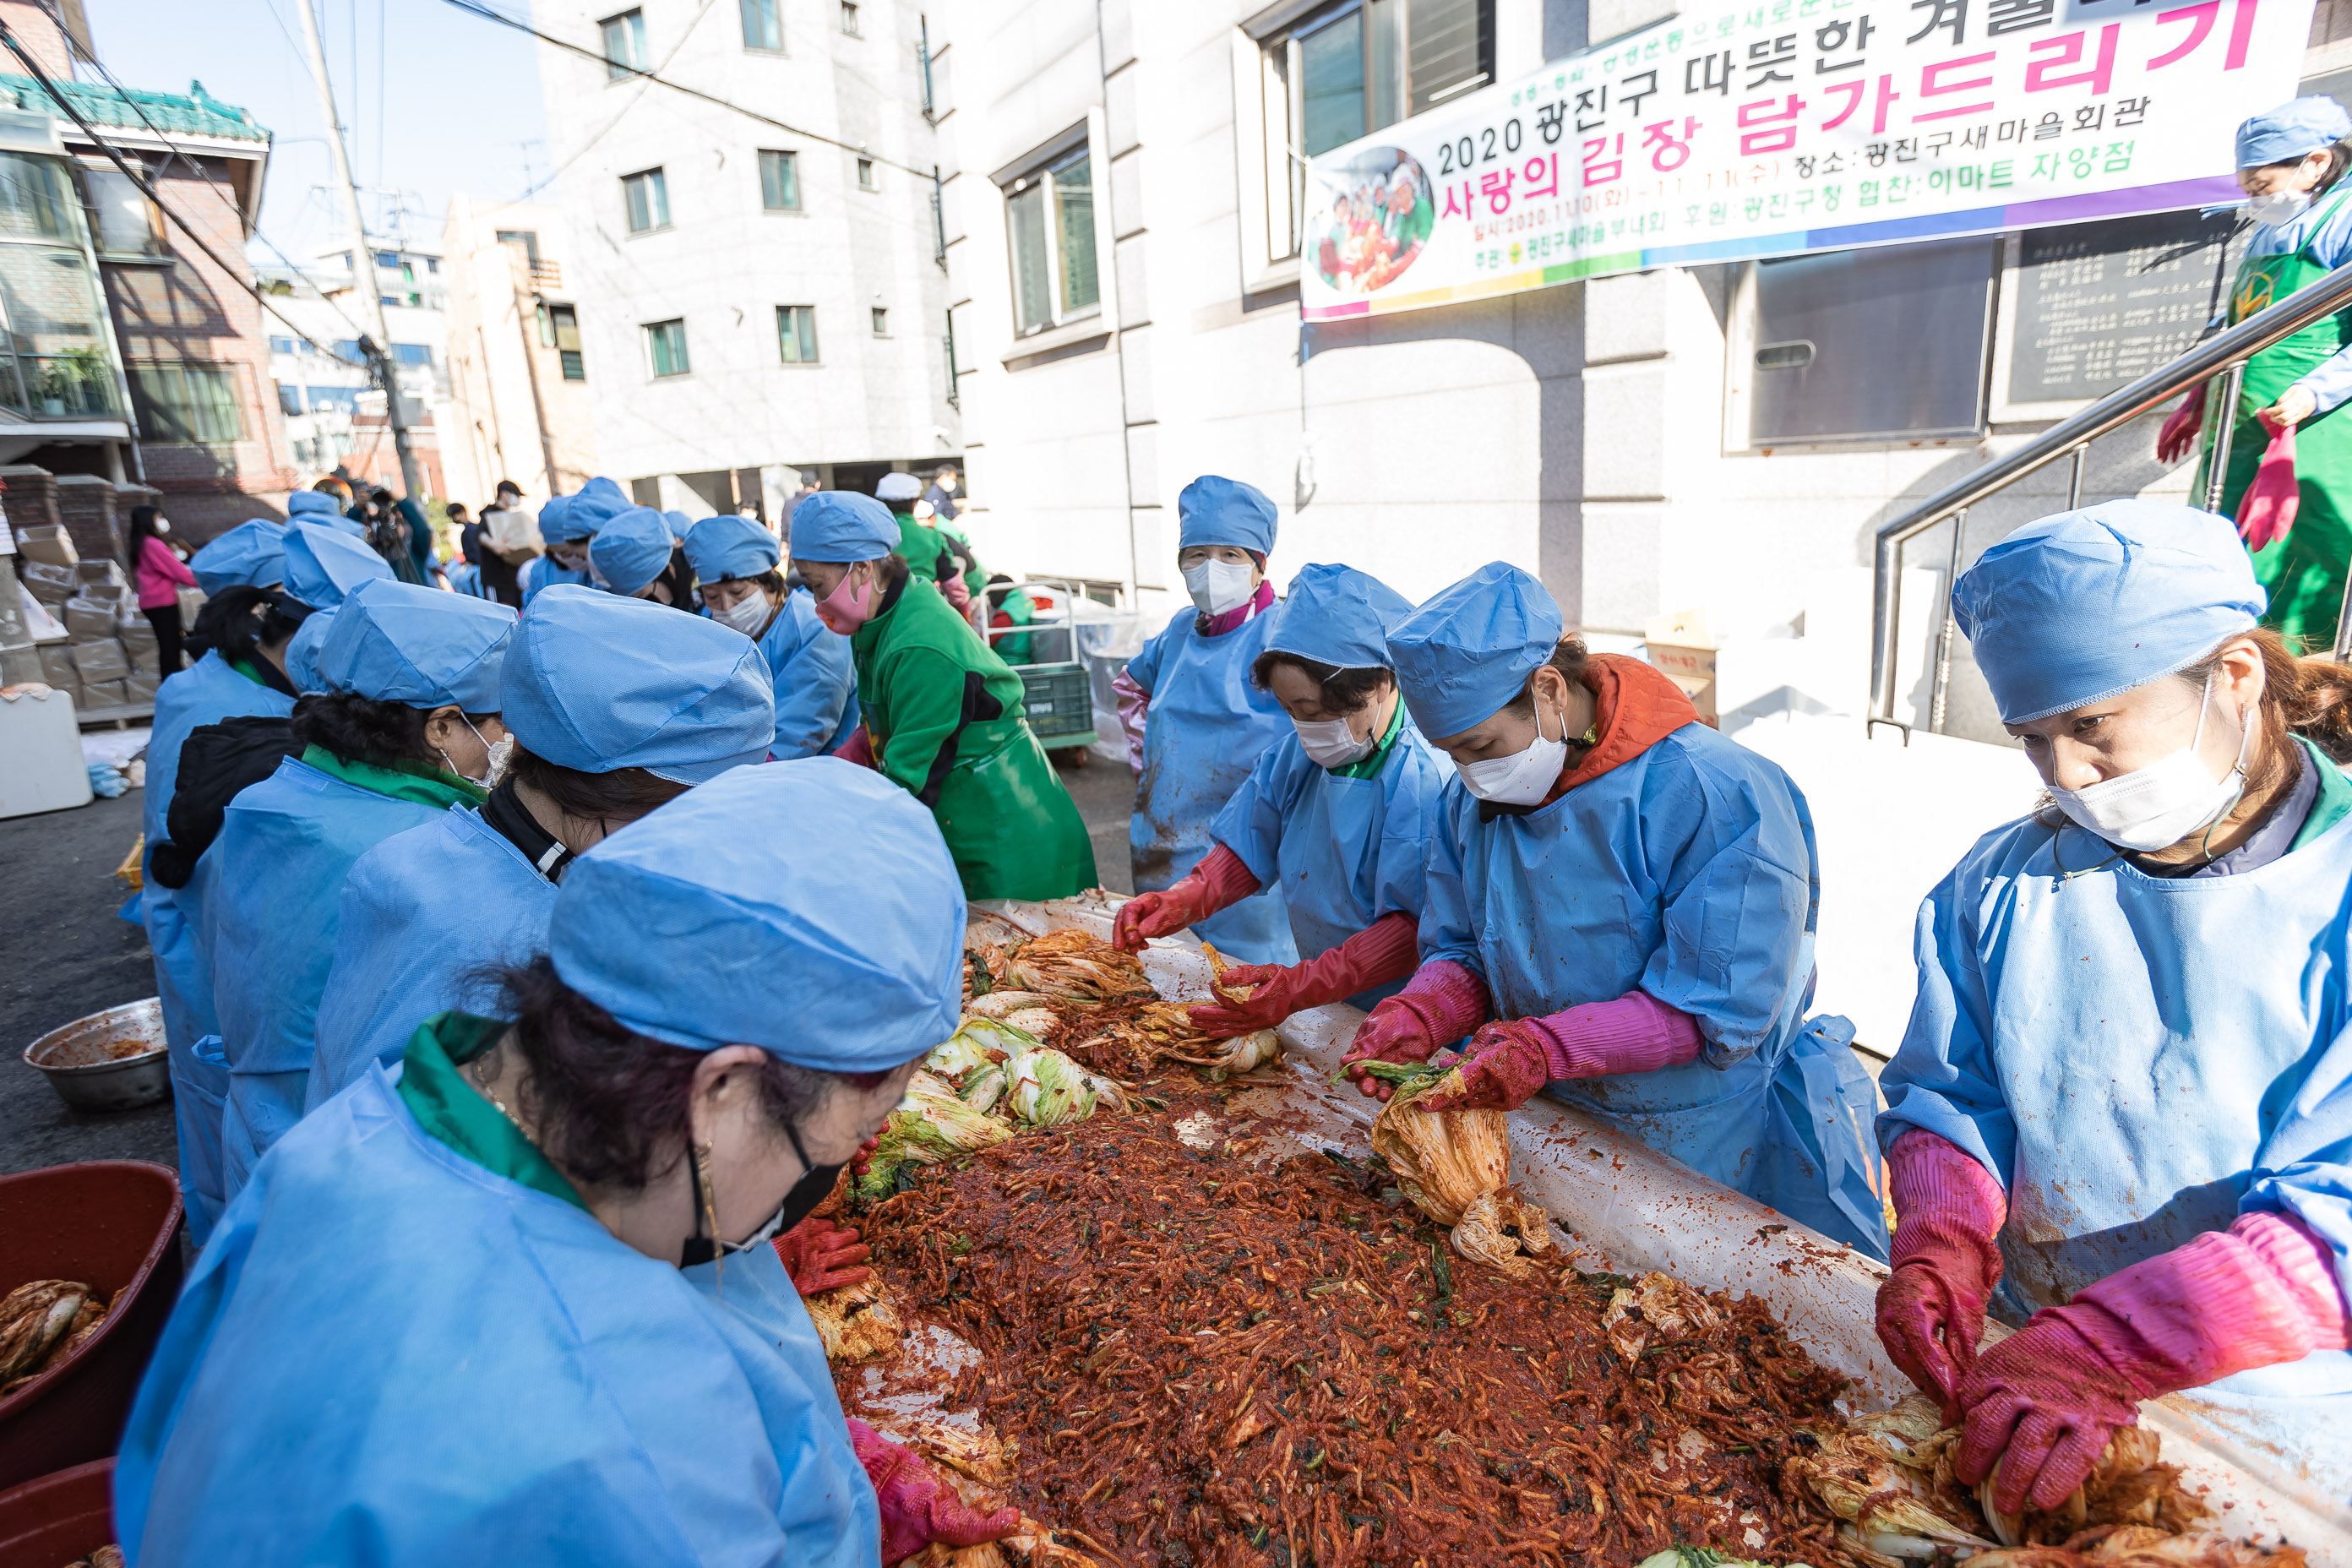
(666, 348)
(849, 17)
(278, 345)
(648, 195)
(564, 331)
(881, 323)
(387, 258)
(764, 26)
(866, 173)
(432, 264)
(413, 353)
(348, 351)
(35, 203)
(1352, 69)
(796, 333)
(185, 401)
(526, 238)
(391, 300)
(1050, 213)
(780, 181)
(129, 226)
(624, 43)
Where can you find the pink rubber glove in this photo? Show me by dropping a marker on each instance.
(1380, 953)
(2267, 510)
(918, 1504)
(2044, 1403)
(2179, 437)
(1220, 881)
(1949, 1213)
(1134, 707)
(1442, 1003)
(820, 1254)
(1510, 1061)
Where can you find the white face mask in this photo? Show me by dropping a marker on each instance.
(1522, 778)
(162, 526)
(748, 614)
(2280, 209)
(501, 751)
(2165, 802)
(1331, 743)
(1217, 586)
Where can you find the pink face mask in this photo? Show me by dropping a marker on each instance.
(848, 606)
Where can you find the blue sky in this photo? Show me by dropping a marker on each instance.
(440, 108)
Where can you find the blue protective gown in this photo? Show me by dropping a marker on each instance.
(542, 572)
(419, 911)
(817, 683)
(1204, 731)
(273, 901)
(2139, 1059)
(391, 1355)
(1687, 872)
(205, 693)
(1346, 851)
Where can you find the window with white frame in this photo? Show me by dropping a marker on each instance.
(866, 173)
(666, 349)
(1049, 217)
(764, 26)
(881, 323)
(1330, 75)
(780, 181)
(645, 194)
(126, 225)
(796, 333)
(849, 18)
(624, 44)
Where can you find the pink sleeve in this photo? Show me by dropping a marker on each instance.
(168, 562)
(1133, 703)
(1943, 1199)
(2304, 1267)
(1635, 1032)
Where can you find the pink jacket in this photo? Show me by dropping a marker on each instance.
(162, 575)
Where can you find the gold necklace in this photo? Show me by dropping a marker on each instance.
(482, 1088)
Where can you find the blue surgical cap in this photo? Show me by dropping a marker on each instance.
(630, 550)
(898, 487)
(808, 908)
(306, 502)
(2294, 128)
(600, 501)
(1468, 651)
(1338, 615)
(2086, 604)
(323, 566)
(396, 642)
(838, 526)
(302, 651)
(719, 548)
(598, 683)
(250, 555)
(678, 525)
(555, 522)
(1217, 511)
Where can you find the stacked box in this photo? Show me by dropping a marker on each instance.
(50, 584)
(105, 694)
(87, 506)
(142, 687)
(47, 543)
(101, 579)
(192, 604)
(101, 661)
(57, 666)
(89, 620)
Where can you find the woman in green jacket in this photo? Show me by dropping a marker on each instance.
(943, 716)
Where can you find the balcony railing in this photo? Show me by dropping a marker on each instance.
(546, 275)
(60, 386)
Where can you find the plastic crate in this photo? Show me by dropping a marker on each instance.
(1060, 705)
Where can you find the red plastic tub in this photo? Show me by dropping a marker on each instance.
(59, 1519)
(112, 1224)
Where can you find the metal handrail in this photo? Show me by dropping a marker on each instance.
(2225, 353)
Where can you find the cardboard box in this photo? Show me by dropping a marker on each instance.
(104, 694)
(48, 544)
(142, 687)
(87, 620)
(144, 660)
(57, 666)
(108, 574)
(101, 661)
(192, 604)
(135, 632)
(50, 584)
(1681, 646)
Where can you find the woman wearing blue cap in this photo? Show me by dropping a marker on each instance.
(1195, 724)
(635, 555)
(519, 1307)
(1339, 813)
(816, 684)
(566, 525)
(1631, 899)
(941, 715)
(240, 646)
(2122, 1104)
(2290, 164)
(612, 707)
(403, 731)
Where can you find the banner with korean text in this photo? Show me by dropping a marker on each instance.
(1738, 129)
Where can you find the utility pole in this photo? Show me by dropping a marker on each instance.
(377, 346)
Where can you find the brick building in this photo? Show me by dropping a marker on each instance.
(168, 385)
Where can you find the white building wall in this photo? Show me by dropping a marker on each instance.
(513, 415)
(1575, 431)
(724, 265)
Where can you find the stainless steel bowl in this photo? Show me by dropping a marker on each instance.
(86, 1063)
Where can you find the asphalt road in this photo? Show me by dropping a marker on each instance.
(63, 954)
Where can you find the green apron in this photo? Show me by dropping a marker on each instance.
(946, 718)
(2304, 573)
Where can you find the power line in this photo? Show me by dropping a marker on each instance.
(636, 97)
(476, 7)
(140, 180)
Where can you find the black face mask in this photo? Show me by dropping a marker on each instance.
(816, 1180)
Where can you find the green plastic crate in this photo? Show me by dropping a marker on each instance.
(1061, 708)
